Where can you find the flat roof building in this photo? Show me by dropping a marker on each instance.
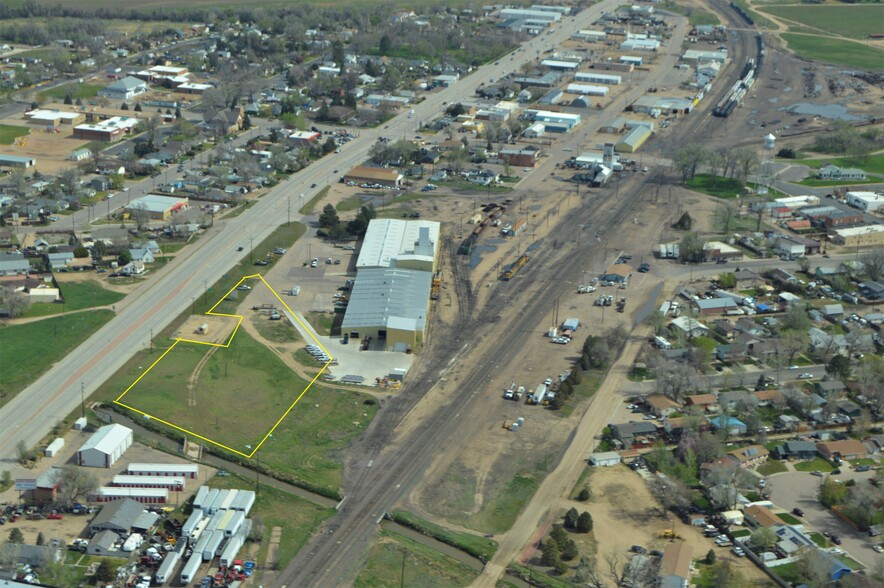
(524, 13)
(54, 118)
(587, 90)
(361, 174)
(111, 129)
(157, 206)
(859, 236)
(17, 161)
(597, 78)
(698, 56)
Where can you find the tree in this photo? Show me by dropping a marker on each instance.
(68, 99)
(839, 367)
(873, 263)
(687, 160)
(584, 522)
(177, 113)
(104, 573)
(571, 518)
(710, 557)
(140, 215)
(584, 495)
(727, 280)
(691, 248)
(74, 483)
(15, 302)
(550, 553)
(23, 453)
(41, 540)
(124, 257)
(725, 217)
(747, 161)
(795, 319)
(385, 44)
(684, 222)
(763, 538)
(16, 536)
(124, 106)
(329, 217)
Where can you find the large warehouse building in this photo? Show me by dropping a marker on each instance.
(105, 446)
(157, 206)
(391, 293)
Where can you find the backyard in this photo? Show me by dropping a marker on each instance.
(77, 295)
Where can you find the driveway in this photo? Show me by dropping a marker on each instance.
(799, 489)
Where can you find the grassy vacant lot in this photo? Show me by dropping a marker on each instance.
(77, 295)
(75, 91)
(696, 16)
(310, 205)
(855, 21)
(719, 187)
(204, 389)
(297, 517)
(871, 164)
(837, 51)
(277, 331)
(500, 509)
(815, 464)
(472, 544)
(421, 567)
(9, 133)
(28, 350)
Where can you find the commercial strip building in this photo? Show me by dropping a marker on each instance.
(859, 236)
(597, 78)
(391, 293)
(157, 206)
(361, 174)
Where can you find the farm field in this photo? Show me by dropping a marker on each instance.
(836, 51)
(77, 295)
(9, 133)
(29, 349)
(854, 21)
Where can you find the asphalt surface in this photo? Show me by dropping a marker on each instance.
(789, 490)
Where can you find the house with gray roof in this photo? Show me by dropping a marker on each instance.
(105, 543)
(33, 555)
(123, 516)
(795, 450)
(628, 433)
(60, 260)
(829, 388)
(14, 264)
(124, 89)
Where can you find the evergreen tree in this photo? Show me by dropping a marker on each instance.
(583, 496)
(329, 217)
(550, 554)
(584, 523)
(571, 518)
(137, 107)
(177, 113)
(124, 106)
(68, 99)
(41, 540)
(16, 536)
(710, 557)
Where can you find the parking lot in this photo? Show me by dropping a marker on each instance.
(799, 489)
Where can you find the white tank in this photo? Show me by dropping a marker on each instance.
(770, 141)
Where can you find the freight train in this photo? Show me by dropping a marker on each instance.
(741, 87)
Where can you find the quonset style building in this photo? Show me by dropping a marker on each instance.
(394, 276)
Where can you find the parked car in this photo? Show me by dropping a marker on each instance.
(805, 376)
(797, 512)
(816, 473)
(862, 468)
(835, 539)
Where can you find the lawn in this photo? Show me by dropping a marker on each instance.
(789, 519)
(819, 539)
(827, 183)
(9, 133)
(718, 187)
(857, 21)
(395, 560)
(309, 207)
(815, 464)
(30, 349)
(836, 51)
(475, 545)
(771, 467)
(297, 517)
(871, 164)
(75, 90)
(77, 295)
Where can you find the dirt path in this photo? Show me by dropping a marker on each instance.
(195, 376)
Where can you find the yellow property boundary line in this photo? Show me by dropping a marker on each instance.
(226, 345)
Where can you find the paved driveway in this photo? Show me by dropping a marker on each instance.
(799, 489)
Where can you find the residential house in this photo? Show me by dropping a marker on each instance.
(732, 352)
(733, 425)
(731, 399)
(833, 172)
(746, 279)
(105, 543)
(689, 327)
(768, 397)
(723, 327)
(60, 260)
(750, 456)
(142, 255)
(638, 433)
(133, 268)
(823, 341)
(758, 516)
(788, 422)
(848, 408)
(876, 443)
(32, 555)
(661, 405)
(829, 272)
(750, 327)
(791, 542)
(830, 388)
(872, 290)
(705, 402)
(13, 264)
(675, 565)
(782, 276)
(848, 449)
(799, 450)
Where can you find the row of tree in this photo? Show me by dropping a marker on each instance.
(735, 163)
(332, 227)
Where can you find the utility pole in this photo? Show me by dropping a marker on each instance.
(82, 399)
(151, 339)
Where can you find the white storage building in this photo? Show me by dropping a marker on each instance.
(142, 495)
(867, 201)
(597, 78)
(127, 481)
(605, 458)
(588, 90)
(177, 470)
(54, 447)
(105, 446)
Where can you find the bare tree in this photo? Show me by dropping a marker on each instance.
(873, 263)
(69, 179)
(670, 492)
(747, 162)
(15, 303)
(74, 483)
(725, 217)
(140, 216)
(19, 181)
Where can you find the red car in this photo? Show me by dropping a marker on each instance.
(14, 518)
(54, 516)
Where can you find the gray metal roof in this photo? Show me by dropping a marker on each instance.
(122, 514)
(389, 297)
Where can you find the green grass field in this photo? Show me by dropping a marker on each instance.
(395, 560)
(789, 519)
(720, 187)
(77, 295)
(815, 464)
(500, 509)
(9, 133)
(855, 21)
(836, 51)
(473, 544)
(871, 164)
(696, 16)
(310, 205)
(83, 91)
(298, 518)
(771, 467)
(28, 350)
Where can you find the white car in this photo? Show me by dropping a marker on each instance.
(805, 376)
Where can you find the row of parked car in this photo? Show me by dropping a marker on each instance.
(318, 353)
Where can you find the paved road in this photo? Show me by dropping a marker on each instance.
(799, 489)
